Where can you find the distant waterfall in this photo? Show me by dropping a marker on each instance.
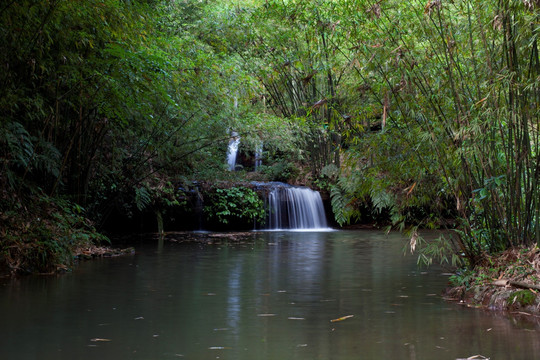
(233, 150)
(258, 156)
(295, 208)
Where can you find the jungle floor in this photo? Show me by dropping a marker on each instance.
(509, 281)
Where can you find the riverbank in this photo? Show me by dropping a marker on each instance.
(509, 281)
(95, 251)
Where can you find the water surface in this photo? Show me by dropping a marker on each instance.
(272, 297)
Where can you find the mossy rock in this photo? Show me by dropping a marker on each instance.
(521, 297)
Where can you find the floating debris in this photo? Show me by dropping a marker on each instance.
(295, 318)
(99, 340)
(219, 348)
(301, 345)
(342, 318)
(266, 315)
(139, 318)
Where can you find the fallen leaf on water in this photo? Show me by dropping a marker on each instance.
(99, 339)
(342, 318)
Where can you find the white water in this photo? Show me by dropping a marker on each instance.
(258, 156)
(295, 208)
(233, 151)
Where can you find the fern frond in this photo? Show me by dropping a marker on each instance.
(143, 198)
(20, 148)
(382, 200)
(338, 205)
(47, 158)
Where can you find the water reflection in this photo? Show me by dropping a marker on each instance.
(270, 298)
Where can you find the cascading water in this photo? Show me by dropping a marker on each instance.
(233, 150)
(294, 208)
(258, 156)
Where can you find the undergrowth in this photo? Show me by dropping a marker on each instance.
(39, 234)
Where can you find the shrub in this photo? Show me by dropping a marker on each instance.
(235, 206)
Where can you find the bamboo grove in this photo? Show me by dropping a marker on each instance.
(421, 112)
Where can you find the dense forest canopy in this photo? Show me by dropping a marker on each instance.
(423, 111)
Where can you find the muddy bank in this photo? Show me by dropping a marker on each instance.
(205, 237)
(94, 251)
(509, 281)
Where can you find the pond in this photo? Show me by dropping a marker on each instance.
(280, 295)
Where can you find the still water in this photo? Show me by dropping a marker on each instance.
(273, 297)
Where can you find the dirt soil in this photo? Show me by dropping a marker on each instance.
(94, 251)
(509, 281)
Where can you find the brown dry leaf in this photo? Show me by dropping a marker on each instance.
(375, 10)
(342, 318)
(431, 5)
(414, 239)
(410, 189)
(319, 103)
(500, 282)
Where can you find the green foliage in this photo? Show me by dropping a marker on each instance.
(142, 197)
(522, 297)
(42, 236)
(236, 204)
(282, 170)
(431, 106)
(463, 277)
(27, 155)
(439, 249)
(340, 207)
(412, 112)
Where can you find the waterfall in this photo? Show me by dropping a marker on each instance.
(258, 156)
(294, 208)
(233, 150)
